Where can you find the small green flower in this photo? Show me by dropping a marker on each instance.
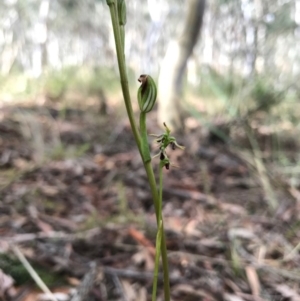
(164, 141)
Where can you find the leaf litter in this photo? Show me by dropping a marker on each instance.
(85, 220)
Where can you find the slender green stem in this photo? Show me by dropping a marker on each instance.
(123, 73)
(147, 164)
(157, 257)
(163, 238)
(144, 137)
(159, 233)
(161, 166)
(164, 255)
(122, 34)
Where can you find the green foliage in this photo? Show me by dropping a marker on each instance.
(83, 81)
(217, 85)
(293, 229)
(57, 82)
(282, 22)
(58, 85)
(265, 96)
(17, 271)
(93, 81)
(62, 151)
(14, 268)
(223, 92)
(237, 94)
(16, 85)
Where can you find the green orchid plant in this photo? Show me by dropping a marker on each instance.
(147, 94)
(164, 141)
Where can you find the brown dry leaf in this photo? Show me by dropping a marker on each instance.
(6, 157)
(73, 281)
(191, 123)
(144, 258)
(232, 285)
(100, 159)
(130, 293)
(28, 252)
(33, 212)
(22, 164)
(186, 289)
(253, 280)
(295, 193)
(241, 233)
(233, 208)
(261, 254)
(4, 246)
(5, 282)
(191, 229)
(231, 297)
(59, 221)
(32, 296)
(287, 292)
(18, 221)
(174, 224)
(44, 227)
(140, 238)
(66, 126)
(60, 296)
(142, 294)
(89, 191)
(48, 190)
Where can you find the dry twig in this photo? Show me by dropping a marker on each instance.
(33, 273)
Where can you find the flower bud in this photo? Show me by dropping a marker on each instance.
(147, 93)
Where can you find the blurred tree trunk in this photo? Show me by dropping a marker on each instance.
(39, 54)
(174, 65)
(257, 30)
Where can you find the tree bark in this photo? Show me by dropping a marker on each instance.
(174, 65)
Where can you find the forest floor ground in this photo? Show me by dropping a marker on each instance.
(74, 201)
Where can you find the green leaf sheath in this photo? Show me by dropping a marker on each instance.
(157, 257)
(144, 138)
(122, 20)
(159, 235)
(122, 12)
